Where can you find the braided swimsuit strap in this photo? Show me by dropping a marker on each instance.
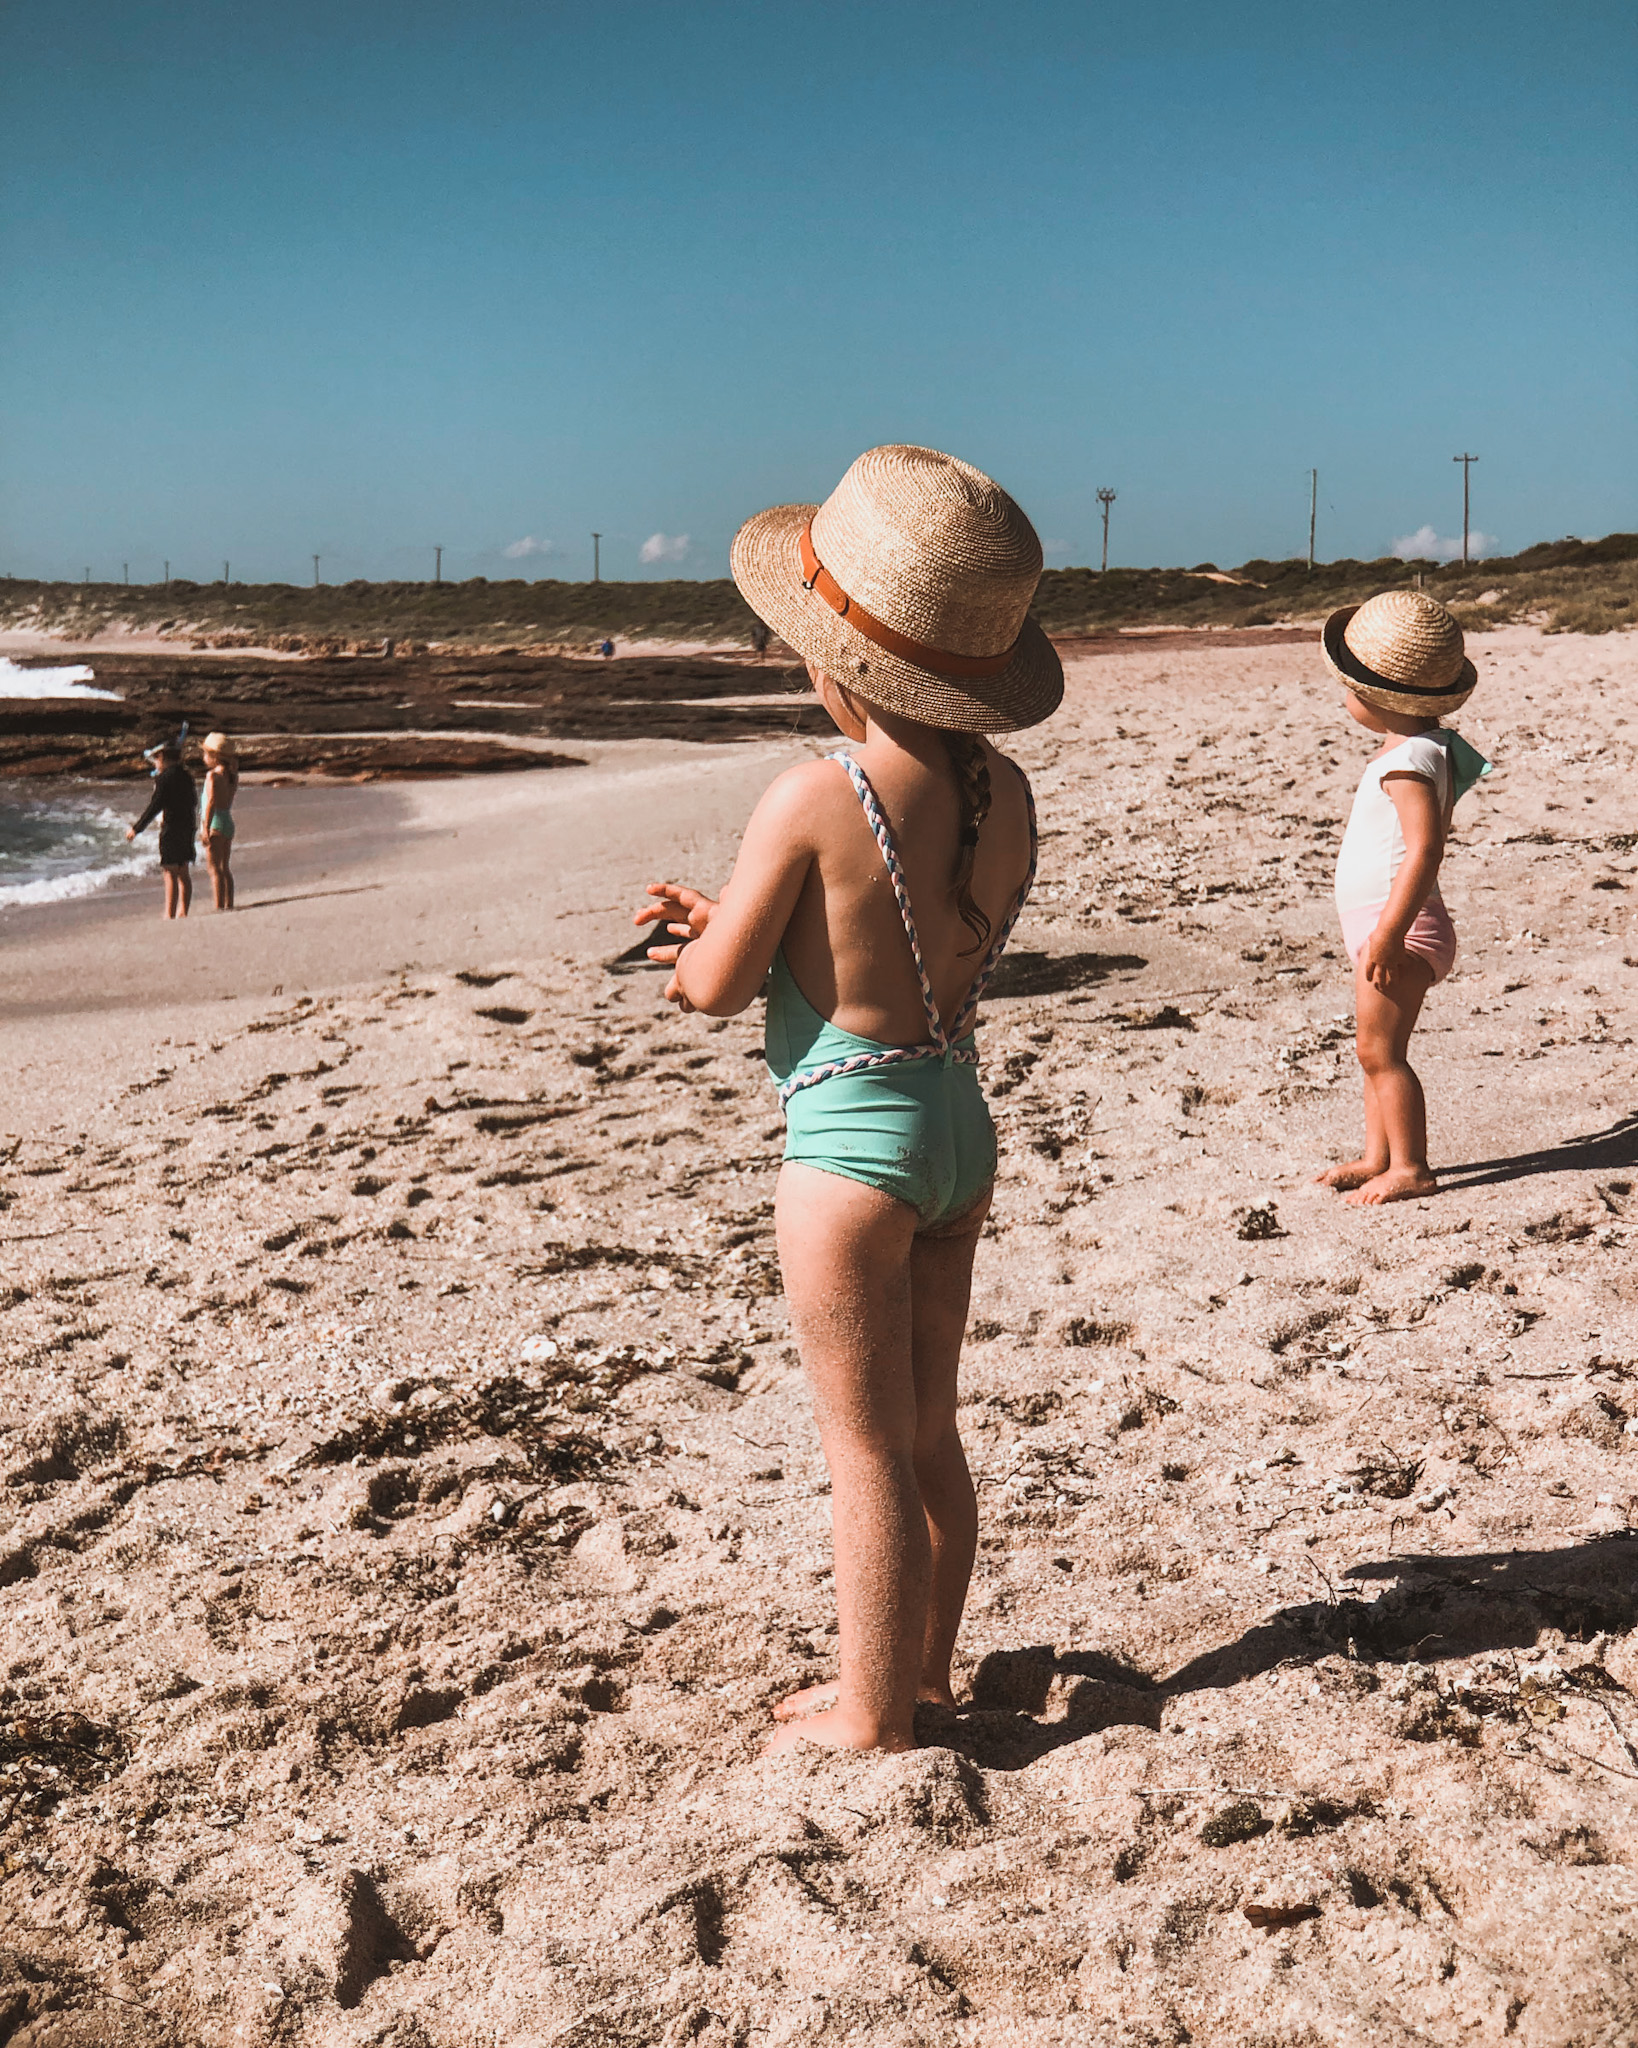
(864, 1062)
(890, 1055)
(895, 874)
(998, 945)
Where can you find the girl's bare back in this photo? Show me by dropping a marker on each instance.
(845, 941)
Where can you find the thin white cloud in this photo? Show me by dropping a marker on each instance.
(664, 547)
(1426, 545)
(520, 550)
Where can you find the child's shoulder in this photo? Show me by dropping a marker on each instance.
(1419, 753)
(807, 780)
(805, 794)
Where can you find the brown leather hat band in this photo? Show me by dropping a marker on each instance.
(817, 578)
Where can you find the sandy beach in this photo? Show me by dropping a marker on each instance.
(412, 1507)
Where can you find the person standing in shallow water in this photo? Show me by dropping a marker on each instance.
(1401, 658)
(872, 896)
(221, 787)
(175, 802)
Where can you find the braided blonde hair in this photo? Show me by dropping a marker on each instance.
(972, 769)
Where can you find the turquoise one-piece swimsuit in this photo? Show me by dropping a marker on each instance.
(910, 1120)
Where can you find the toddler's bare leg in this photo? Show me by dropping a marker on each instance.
(185, 878)
(845, 1252)
(173, 891)
(941, 1277)
(1385, 1024)
(1354, 1173)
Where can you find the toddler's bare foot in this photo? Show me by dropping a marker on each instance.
(1398, 1184)
(833, 1729)
(1353, 1173)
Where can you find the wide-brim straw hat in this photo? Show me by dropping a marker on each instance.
(910, 586)
(222, 744)
(1401, 651)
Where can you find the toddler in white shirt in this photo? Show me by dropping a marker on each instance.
(1401, 657)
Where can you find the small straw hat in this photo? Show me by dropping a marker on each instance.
(1401, 651)
(220, 744)
(911, 587)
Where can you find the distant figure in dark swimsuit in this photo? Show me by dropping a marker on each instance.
(175, 802)
(221, 787)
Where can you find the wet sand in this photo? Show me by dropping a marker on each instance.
(412, 1505)
(350, 885)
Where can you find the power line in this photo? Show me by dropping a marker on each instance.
(1106, 498)
(1467, 462)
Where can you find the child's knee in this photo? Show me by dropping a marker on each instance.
(1375, 1050)
(936, 1438)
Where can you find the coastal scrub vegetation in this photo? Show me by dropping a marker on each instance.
(1564, 586)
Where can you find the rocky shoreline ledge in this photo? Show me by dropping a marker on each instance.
(362, 718)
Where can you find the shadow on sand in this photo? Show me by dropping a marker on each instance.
(1437, 1607)
(312, 896)
(1056, 974)
(1600, 1152)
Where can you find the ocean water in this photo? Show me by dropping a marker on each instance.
(59, 840)
(62, 840)
(49, 682)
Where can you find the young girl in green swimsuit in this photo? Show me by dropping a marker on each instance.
(221, 787)
(871, 899)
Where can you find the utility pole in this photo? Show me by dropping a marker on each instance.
(438, 565)
(315, 572)
(1106, 498)
(127, 574)
(1467, 462)
(167, 575)
(88, 579)
(1313, 514)
(597, 558)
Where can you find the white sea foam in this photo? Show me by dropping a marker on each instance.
(64, 888)
(49, 682)
(58, 843)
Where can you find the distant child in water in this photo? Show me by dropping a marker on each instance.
(221, 787)
(1401, 657)
(175, 802)
(871, 899)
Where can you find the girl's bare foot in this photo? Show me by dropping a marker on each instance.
(808, 1701)
(834, 1729)
(1354, 1173)
(797, 1706)
(1398, 1184)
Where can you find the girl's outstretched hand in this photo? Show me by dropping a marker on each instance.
(684, 912)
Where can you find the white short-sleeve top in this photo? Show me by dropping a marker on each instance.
(1373, 846)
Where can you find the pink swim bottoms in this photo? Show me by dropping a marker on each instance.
(1433, 935)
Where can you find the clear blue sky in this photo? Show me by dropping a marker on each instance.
(359, 278)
